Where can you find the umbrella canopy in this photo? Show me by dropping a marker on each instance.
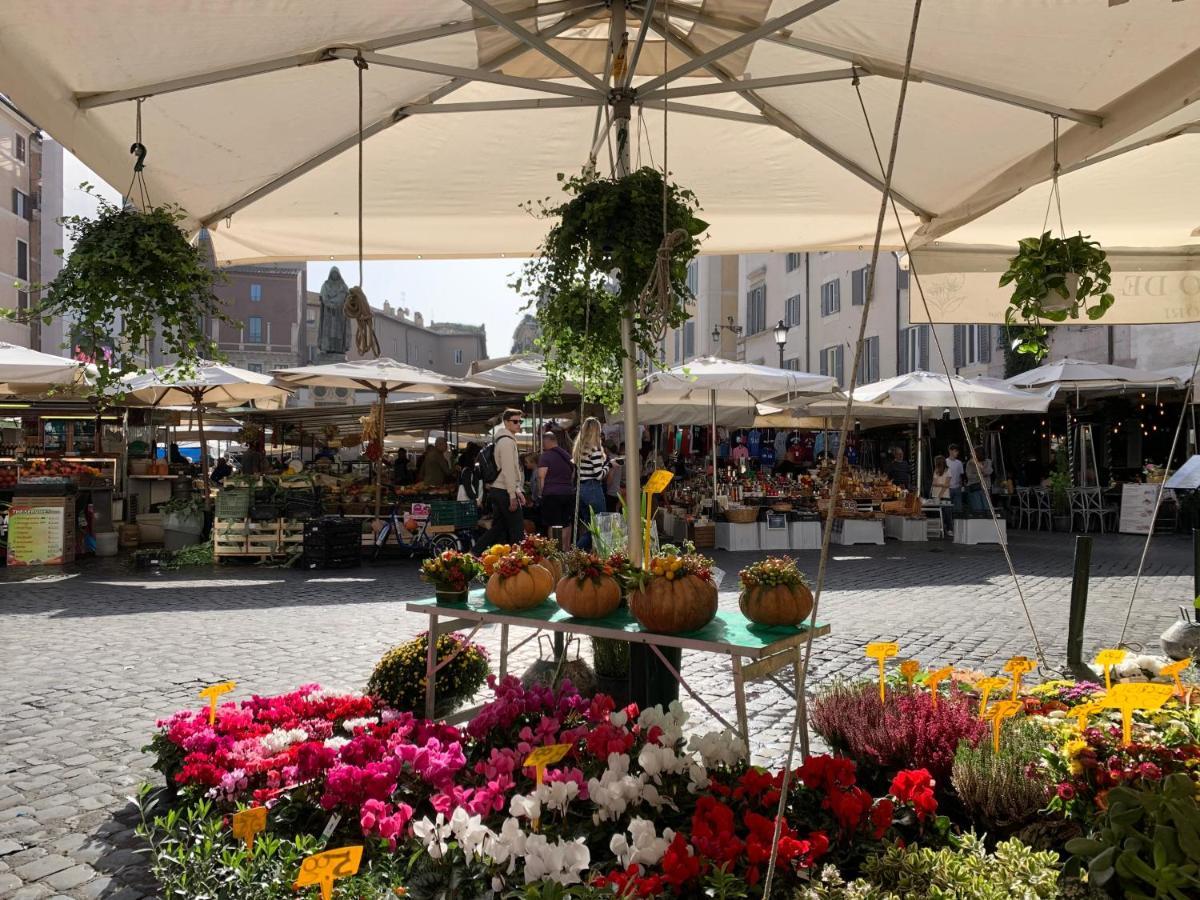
(515, 375)
(931, 392)
(1082, 377)
(248, 119)
(382, 376)
(737, 384)
(22, 366)
(208, 384)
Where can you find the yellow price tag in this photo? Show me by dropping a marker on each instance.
(541, 757)
(1109, 658)
(882, 651)
(1001, 710)
(908, 670)
(936, 678)
(658, 481)
(1173, 670)
(1085, 711)
(986, 686)
(323, 869)
(1136, 695)
(1018, 667)
(212, 693)
(248, 823)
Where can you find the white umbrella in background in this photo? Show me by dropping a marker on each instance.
(730, 389)
(29, 371)
(521, 374)
(1082, 377)
(206, 384)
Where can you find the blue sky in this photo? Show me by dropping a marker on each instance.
(471, 291)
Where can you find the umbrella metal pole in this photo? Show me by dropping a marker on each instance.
(203, 446)
(712, 403)
(920, 446)
(379, 462)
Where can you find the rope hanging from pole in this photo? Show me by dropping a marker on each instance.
(357, 306)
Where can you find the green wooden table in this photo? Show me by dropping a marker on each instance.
(756, 652)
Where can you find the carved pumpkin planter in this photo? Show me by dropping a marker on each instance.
(778, 604)
(674, 606)
(588, 598)
(524, 589)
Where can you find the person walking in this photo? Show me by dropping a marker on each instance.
(979, 480)
(591, 465)
(468, 491)
(506, 492)
(955, 467)
(435, 465)
(556, 482)
(940, 491)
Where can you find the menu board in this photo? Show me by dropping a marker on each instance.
(35, 535)
(1137, 507)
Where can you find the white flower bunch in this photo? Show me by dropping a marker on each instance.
(719, 748)
(336, 743)
(657, 761)
(470, 832)
(351, 724)
(561, 861)
(557, 795)
(525, 806)
(433, 835)
(615, 789)
(282, 738)
(646, 848)
(321, 694)
(671, 721)
(506, 847)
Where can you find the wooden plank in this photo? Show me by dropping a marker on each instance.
(769, 665)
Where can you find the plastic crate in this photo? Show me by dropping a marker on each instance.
(457, 513)
(234, 502)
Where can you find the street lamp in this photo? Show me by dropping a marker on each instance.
(731, 327)
(781, 333)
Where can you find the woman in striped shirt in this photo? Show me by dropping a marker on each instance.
(591, 465)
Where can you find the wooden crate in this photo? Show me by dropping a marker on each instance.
(259, 540)
(229, 537)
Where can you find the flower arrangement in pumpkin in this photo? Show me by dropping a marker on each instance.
(451, 571)
(518, 582)
(589, 588)
(676, 593)
(545, 552)
(775, 592)
(492, 555)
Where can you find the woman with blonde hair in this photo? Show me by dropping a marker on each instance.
(939, 490)
(591, 465)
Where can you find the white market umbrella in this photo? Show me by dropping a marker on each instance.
(923, 394)
(1082, 377)
(204, 385)
(731, 390)
(20, 366)
(521, 374)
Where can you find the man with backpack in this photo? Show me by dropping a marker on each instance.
(499, 469)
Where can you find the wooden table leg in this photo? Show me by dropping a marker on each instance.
(801, 704)
(503, 651)
(431, 666)
(739, 696)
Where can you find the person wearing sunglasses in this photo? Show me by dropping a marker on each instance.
(506, 493)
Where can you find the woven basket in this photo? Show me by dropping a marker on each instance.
(742, 516)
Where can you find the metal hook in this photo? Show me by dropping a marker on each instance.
(139, 150)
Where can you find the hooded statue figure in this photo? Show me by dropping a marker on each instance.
(333, 333)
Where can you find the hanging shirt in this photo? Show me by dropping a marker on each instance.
(754, 442)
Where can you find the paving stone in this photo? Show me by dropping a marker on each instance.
(8, 846)
(70, 878)
(9, 882)
(40, 868)
(32, 892)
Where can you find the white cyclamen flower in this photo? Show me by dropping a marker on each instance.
(646, 848)
(336, 743)
(559, 861)
(282, 738)
(433, 835)
(469, 831)
(351, 724)
(525, 806)
(508, 846)
(719, 748)
(331, 694)
(557, 795)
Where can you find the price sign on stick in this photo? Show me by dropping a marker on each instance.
(658, 481)
(936, 678)
(1173, 671)
(1134, 695)
(1109, 658)
(248, 823)
(909, 669)
(542, 757)
(986, 686)
(212, 693)
(1085, 711)
(1018, 667)
(323, 869)
(882, 651)
(1001, 710)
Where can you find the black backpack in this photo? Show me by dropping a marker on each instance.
(487, 470)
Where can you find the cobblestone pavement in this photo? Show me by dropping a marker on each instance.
(89, 658)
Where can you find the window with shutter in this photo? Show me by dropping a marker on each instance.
(985, 343)
(792, 310)
(903, 352)
(960, 339)
(22, 260)
(793, 262)
(858, 285)
(840, 354)
(831, 297)
(689, 340)
(923, 338)
(873, 346)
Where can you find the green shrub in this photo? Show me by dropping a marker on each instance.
(997, 792)
(399, 678)
(965, 871)
(1146, 843)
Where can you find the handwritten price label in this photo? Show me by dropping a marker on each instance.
(936, 678)
(882, 651)
(212, 693)
(323, 869)
(1132, 695)
(908, 670)
(986, 686)
(1001, 710)
(248, 823)
(1085, 711)
(1173, 670)
(1018, 667)
(1108, 658)
(658, 481)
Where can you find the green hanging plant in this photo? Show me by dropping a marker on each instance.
(1055, 279)
(607, 225)
(132, 278)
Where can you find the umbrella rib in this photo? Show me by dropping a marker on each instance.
(91, 100)
(420, 109)
(644, 28)
(753, 84)
(395, 117)
(784, 122)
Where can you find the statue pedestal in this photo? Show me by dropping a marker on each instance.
(324, 358)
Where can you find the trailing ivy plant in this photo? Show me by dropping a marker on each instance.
(1055, 279)
(133, 278)
(606, 226)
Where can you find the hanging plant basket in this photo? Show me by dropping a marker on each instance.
(1053, 280)
(608, 227)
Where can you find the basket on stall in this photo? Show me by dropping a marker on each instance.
(742, 515)
(459, 513)
(234, 502)
(265, 505)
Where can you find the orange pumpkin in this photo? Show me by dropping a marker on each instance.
(674, 606)
(524, 590)
(411, 525)
(777, 604)
(591, 598)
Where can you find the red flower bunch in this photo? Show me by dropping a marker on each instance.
(539, 547)
(451, 570)
(584, 566)
(915, 788)
(512, 563)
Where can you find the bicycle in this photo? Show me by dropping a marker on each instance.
(422, 544)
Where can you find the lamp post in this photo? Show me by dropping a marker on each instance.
(732, 327)
(781, 333)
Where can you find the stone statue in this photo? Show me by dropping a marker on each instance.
(333, 332)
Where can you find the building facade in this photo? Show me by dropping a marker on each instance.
(266, 308)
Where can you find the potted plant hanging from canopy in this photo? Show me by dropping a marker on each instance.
(609, 227)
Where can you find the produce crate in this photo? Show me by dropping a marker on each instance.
(261, 540)
(229, 537)
(233, 503)
(458, 513)
(332, 543)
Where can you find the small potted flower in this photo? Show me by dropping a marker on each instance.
(676, 593)
(774, 592)
(589, 589)
(546, 553)
(518, 582)
(451, 573)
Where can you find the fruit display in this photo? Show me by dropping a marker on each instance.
(57, 471)
(8, 478)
